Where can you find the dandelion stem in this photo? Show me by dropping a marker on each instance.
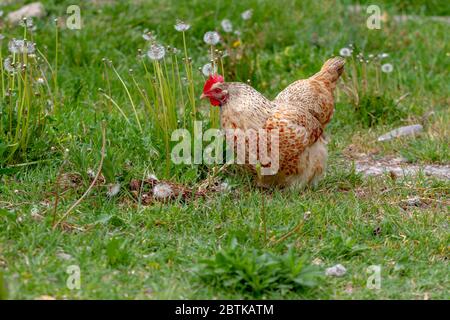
(189, 75)
(129, 97)
(3, 76)
(55, 74)
(117, 106)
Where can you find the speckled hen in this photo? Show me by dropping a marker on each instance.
(299, 115)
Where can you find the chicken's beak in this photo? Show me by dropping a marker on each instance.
(203, 96)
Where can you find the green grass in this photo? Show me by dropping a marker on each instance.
(226, 245)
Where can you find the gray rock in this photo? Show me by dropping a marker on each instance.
(336, 271)
(32, 10)
(402, 131)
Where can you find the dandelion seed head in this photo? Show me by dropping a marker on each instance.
(2, 37)
(21, 46)
(9, 66)
(345, 52)
(149, 36)
(387, 68)
(211, 38)
(238, 33)
(30, 47)
(227, 26)
(27, 22)
(156, 52)
(13, 45)
(40, 80)
(208, 69)
(383, 55)
(181, 26)
(247, 15)
(91, 173)
(162, 191)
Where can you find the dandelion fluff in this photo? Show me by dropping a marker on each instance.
(21, 46)
(247, 15)
(27, 22)
(227, 26)
(345, 52)
(211, 38)
(208, 69)
(387, 68)
(181, 26)
(8, 65)
(30, 48)
(149, 36)
(156, 52)
(113, 190)
(162, 191)
(14, 45)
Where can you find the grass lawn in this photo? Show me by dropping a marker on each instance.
(244, 242)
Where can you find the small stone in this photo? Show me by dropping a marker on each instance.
(413, 202)
(151, 176)
(336, 271)
(307, 215)
(317, 262)
(64, 256)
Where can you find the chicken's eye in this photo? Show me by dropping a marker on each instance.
(217, 90)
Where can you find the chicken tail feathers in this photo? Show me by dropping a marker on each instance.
(331, 70)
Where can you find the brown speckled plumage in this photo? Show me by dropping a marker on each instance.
(299, 113)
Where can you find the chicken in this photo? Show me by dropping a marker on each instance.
(298, 115)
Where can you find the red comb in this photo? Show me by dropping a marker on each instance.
(211, 80)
